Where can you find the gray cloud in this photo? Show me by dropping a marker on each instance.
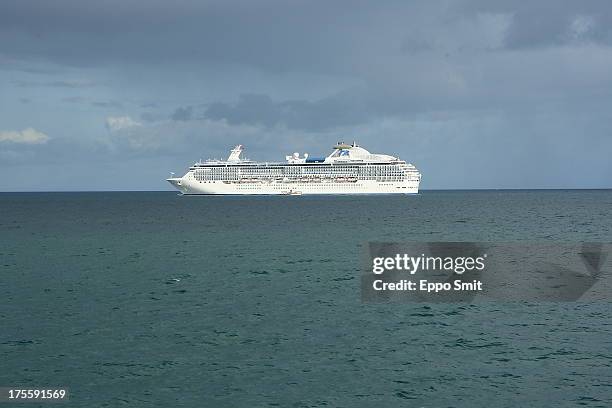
(183, 114)
(335, 37)
(74, 99)
(255, 109)
(110, 104)
(550, 22)
(69, 83)
(458, 87)
(281, 36)
(152, 117)
(107, 104)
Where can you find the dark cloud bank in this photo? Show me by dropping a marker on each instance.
(476, 93)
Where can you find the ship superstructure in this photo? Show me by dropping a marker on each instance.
(349, 169)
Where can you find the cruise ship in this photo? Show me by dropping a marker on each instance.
(349, 169)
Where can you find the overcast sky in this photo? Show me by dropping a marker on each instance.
(477, 94)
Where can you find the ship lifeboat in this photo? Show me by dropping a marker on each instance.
(291, 192)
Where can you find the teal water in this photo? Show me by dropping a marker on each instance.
(153, 299)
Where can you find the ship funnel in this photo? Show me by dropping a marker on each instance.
(235, 154)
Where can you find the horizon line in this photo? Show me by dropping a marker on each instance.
(420, 190)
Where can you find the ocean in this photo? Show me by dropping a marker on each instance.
(143, 299)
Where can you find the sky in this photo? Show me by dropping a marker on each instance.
(115, 95)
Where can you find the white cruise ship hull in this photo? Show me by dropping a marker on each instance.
(194, 187)
(349, 169)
